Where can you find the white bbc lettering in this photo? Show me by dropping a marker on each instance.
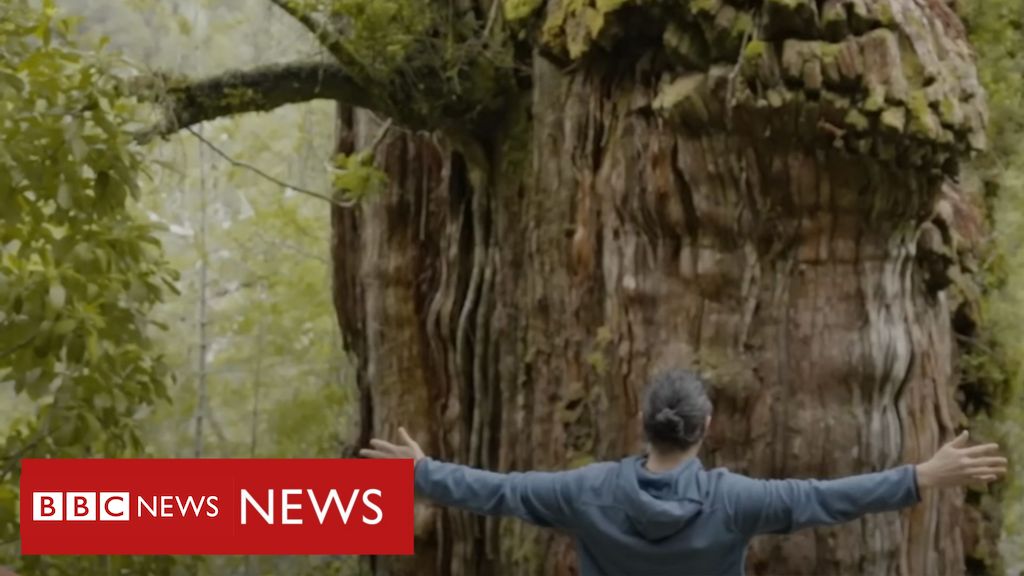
(368, 504)
(211, 502)
(143, 503)
(332, 498)
(80, 506)
(114, 506)
(267, 514)
(168, 506)
(47, 506)
(321, 509)
(286, 506)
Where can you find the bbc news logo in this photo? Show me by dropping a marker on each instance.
(114, 506)
(217, 506)
(79, 506)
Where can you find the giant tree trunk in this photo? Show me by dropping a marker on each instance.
(777, 215)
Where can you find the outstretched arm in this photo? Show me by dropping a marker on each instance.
(543, 498)
(779, 506)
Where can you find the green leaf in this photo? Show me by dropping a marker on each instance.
(64, 196)
(33, 384)
(64, 326)
(57, 295)
(12, 80)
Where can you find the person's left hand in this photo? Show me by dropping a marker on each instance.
(407, 448)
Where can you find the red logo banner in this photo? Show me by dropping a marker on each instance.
(216, 506)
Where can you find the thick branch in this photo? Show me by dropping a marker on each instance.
(262, 89)
(259, 90)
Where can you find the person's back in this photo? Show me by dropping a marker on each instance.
(664, 514)
(628, 520)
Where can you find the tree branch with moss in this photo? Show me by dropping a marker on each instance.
(187, 103)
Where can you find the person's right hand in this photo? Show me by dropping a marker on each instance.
(957, 464)
(408, 448)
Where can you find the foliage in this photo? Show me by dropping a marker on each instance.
(381, 31)
(382, 35)
(425, 62)
(276, 379)
(356, 178)
(997, 33)
(78, 274)
(94, 275)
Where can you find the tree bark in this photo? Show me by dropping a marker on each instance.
(767, 218)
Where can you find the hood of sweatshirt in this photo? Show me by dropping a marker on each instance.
(660, 504)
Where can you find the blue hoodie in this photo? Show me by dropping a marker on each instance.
(629, 521)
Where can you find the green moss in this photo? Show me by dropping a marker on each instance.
(894, 119)
(606, 6)
(885, 15)
(687, 46)
(830, 63)
(683, 100)
(918, 103)
(553, 31)
(856, 120)
(876, 98)
(794, 54)
(922, 121)
(594, 19)
(829, 50)
(520, 9)
(742, 26)
(834, 21)
(705, 7)
(572, 26)
(950, 112)
(727, 32)
(913, 70)
(238, 97)
(578, 38)
(754, 50)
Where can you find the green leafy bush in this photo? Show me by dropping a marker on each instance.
(78, 273)
(997, 32)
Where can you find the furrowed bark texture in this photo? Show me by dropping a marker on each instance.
(777, 217)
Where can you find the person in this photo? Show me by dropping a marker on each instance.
(662, 513)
